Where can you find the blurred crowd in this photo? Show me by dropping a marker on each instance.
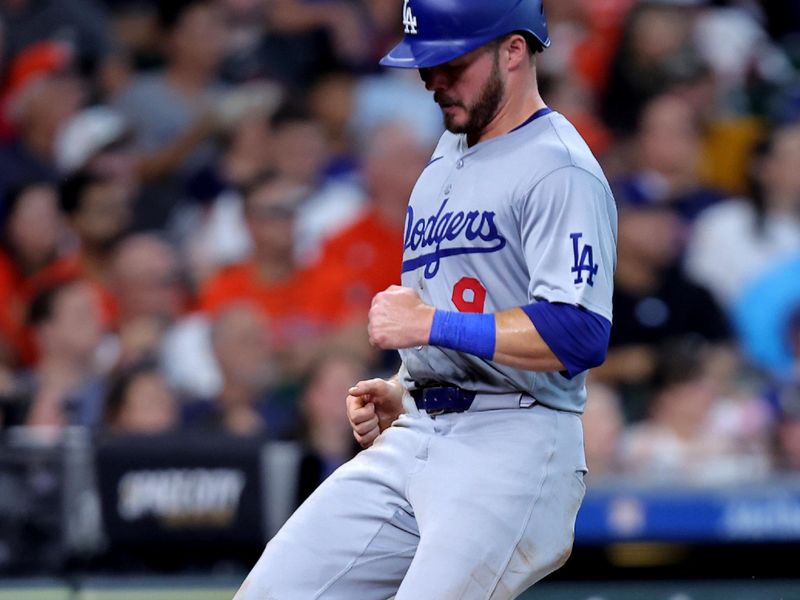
(199, 199)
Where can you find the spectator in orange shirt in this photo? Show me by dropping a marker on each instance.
(304, 304)
(98, 209)
(371, 248)
(32, 230)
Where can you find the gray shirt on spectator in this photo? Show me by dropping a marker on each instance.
(158, 113)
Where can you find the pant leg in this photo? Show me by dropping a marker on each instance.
(546, 543)
(495, 503)
(354, 537)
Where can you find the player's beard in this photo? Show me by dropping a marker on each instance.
(484, 109)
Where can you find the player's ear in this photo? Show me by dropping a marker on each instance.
(515, 51)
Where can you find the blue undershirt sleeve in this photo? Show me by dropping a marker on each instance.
(578, 337)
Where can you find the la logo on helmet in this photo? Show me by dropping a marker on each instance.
(409, 20)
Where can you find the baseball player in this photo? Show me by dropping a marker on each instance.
(474, 469)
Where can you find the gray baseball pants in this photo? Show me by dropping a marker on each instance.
(477, 505)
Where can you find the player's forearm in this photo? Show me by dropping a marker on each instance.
(542, 336)
(519, 345)
(507, 337)
(536, 337)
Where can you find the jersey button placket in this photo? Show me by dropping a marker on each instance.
(460, 163)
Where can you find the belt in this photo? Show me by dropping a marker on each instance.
(441, 400)
(451, 399)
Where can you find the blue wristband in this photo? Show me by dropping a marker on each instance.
(473, 333)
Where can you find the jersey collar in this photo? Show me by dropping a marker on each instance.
(466, 150)
(539, 113)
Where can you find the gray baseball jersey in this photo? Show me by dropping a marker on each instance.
(524, 217)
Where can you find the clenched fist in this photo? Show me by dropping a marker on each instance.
(372, 406)
(398, 318)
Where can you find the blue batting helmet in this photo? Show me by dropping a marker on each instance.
(438, 31)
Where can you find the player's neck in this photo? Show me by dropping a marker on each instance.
(513, 112)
